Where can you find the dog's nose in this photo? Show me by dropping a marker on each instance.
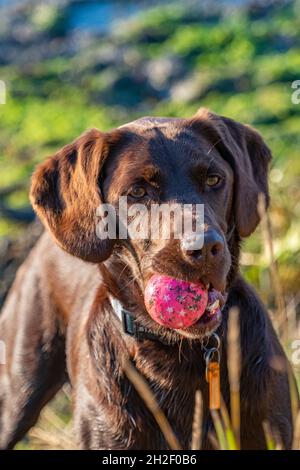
(211, 251)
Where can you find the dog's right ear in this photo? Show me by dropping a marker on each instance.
(66, 191)
(249, 156)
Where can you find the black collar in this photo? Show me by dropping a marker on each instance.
(132, 328)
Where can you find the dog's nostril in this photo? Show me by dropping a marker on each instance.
(196, 254)
(211, 250)
(216, 249)
(213, 244)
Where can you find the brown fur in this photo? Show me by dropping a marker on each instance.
(58, 317)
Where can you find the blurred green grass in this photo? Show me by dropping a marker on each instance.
(167, 61)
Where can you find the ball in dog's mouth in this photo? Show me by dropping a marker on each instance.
(179, 304)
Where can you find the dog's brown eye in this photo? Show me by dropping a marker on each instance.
(213, 180)
(137, 192)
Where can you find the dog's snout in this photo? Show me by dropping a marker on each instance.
(211, 251)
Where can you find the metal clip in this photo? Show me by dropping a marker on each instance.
(212, 354)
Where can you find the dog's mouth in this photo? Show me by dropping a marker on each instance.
(211, 318)
(192, 309)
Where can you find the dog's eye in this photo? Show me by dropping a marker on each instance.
(213, 180)
(137, 192)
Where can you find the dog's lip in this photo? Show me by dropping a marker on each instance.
(208, 323)
(211, 318)
(214, 294)
(212, 283)
(217, 295)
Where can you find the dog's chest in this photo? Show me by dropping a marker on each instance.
(174, 391)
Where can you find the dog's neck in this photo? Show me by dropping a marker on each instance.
(132, 327)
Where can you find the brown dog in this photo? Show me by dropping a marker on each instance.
(59, 315)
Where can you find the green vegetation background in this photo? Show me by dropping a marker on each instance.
(167, 61)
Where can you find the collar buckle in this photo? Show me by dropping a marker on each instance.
(131, 327)
(128, 323)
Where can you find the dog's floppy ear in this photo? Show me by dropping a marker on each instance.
(65, 193)
(249, 156)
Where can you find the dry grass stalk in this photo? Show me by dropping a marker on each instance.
(197, 422)
(50, 440)
(294, 396)
(147, 395)
(225, 414)
(234, 370)
(274, 274)
(270, 441)
(291, 313)
(214, 441)
(52, 432)
(296, 438)
(52, 418)
(218, 425)
(231, 443)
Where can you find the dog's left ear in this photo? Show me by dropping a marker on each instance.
(249, 156)
(66, 191)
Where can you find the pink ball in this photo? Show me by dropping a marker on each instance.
(175, 303)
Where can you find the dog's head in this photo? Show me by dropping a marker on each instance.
(208, 160)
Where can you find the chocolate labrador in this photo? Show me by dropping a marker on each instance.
(76, 308)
